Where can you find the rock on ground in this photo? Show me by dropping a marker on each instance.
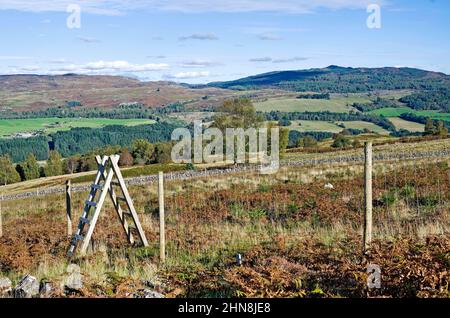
(28, 287)
(147, 293)
(5, 287)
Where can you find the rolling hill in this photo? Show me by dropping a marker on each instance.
(336, 79)
(38, 92)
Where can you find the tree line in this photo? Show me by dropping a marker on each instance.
(140, 152)
(429, 100)
(83, 140)
(125, 111)
(329, 116)
(378, 103)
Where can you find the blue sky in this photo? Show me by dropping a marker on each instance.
(198, 41)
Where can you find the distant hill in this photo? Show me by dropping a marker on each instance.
(37, 92)
(336, 79)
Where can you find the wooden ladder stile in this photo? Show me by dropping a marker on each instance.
(107, 188)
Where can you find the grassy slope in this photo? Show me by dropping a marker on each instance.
(49, 125)
(209, 220)
(396, 112)
(335, 104)
(361, 125)
(407, 125)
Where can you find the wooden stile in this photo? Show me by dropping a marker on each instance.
(106, 189)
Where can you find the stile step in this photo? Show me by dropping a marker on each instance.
(89, 203)
(85, 221)
(127, 213)
(97, 187)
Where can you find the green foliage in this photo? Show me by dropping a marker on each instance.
(306, 142)
(331, 117)
(142, 151)
(435, 128)
(19, 148)
(377, 104)
(83, 140)
(8, 173)
(335, 79)
(314, 96)
(54, 165)
(163, 153)
(284, 139)
(257, 214)
(340, 141)
(190, 167)
(295, 136)
(29, 169)
(264, 188)
(237, 113)
(284, 122)
(126, 111)
(429, 100)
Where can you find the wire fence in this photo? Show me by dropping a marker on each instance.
(193, 174)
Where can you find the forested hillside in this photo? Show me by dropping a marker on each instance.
(83, 140)
(335, 79)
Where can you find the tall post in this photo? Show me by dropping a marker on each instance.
(1, 222)
(367, 197)
(69, 207)
(162, 230)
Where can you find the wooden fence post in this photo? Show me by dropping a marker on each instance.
(162, 230)
(1, 222)
(69, 207)
(367, 197)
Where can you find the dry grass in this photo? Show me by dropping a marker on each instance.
(286, 225)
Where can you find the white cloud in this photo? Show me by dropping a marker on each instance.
(116, 7)
(198, 63)
(100, 67)
(292, 59)
(199, 36)
(269, 37)
(261, 59)
(187, 75)
(88, 40)
(286, 60)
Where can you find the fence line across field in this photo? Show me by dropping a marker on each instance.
(186, 175)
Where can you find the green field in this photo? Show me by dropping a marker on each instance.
(332, 127)
(335, 104)
(10, 127)
(361, 125)
(312, 126)
(407, 125)
(396, 112)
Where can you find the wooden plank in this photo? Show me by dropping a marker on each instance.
(115, 166)
(98, 208)
(120, 213)
(69, 207)
(90, 203)
(162, 226)
(85, 221)
(367, 240)
(101, 164)
(1, 221)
